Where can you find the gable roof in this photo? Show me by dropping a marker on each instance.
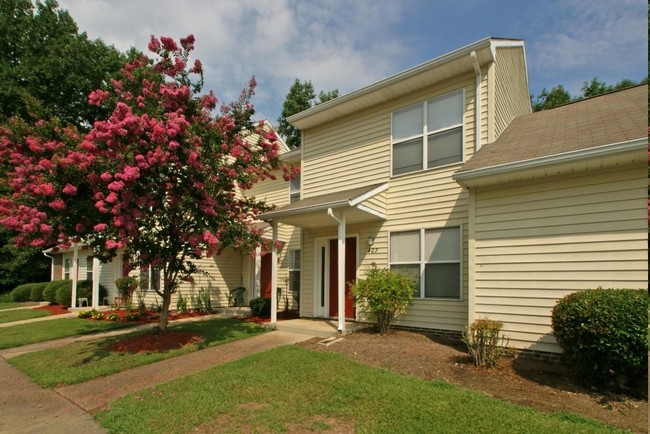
(609, 123)
(441, 68)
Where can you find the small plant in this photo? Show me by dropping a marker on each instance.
(181, 303)
(112, 316)
(155, 306)
(383, 295)
(484, 342)
(126, 286)
(604, 333)
(206, 301)
(132, 316)
(95, 314)
(85, 314)
(260, 306)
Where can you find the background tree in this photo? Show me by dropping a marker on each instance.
(47, 68)
(301, 96)
(553, 98)
(159, 177)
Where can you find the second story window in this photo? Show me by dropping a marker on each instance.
(294, 190)
(429, 134)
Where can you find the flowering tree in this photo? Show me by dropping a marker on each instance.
(161, 177)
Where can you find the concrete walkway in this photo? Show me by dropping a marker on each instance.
(27, 408)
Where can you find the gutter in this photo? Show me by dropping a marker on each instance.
(477, 102)
(51, 265)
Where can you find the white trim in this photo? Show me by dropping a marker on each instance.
(477, 103)
(369, 210)
(362, 198)
(549, 160)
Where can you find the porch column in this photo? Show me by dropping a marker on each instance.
(75, 272)
(274, 275)
(341, 272)
(95, 301)
(257, 273)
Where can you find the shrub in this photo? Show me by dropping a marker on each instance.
(132, 316)
(111, 317)
(63, 295)
(383, 295)
(37, 291)
(181, 303)
(604, 333)
(22, 292)
(100, 316)
(49, 293)
(484, 342)
(260, 306)
(126, 286)
(85, 289)
(85, 314)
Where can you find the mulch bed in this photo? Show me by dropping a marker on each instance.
(284, 315)
(55, 309)
(156, 342)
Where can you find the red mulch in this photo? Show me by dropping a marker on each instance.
(287, 314)
(55, 309)
(155, 342)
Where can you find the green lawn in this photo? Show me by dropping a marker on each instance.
(297, 390)
(83, 361)
(13, 304)
(18, 315)
(23, 334)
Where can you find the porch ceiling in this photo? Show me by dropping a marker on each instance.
(312, 212)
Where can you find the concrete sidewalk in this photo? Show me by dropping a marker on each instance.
(27, 408)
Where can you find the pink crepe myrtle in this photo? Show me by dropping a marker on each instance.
(159, 177)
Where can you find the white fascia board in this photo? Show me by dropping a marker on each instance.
(567, 157)
(379, 189)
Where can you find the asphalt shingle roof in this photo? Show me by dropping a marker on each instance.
(607, 119)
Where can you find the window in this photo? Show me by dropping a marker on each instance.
(429, 134)
(294, 270)
(67, 267)
(432, 257)
(89, 268)
(152, 276)
(294, 190)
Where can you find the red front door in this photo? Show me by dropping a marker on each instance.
(350, 276)
(265, 276)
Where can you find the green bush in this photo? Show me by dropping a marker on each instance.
(49, 293)
(383, 295)
(604, 333)
(37, 291)
(63, 294)
(484, 342)
(85, 289)
(260, 306)
(22, 292)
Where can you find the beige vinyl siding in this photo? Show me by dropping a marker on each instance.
(511, 89)
(539, 241)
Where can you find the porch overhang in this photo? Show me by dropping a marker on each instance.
(360, 205)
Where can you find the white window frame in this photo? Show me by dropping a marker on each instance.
(422, 263)
(67, 269)
(294, 191)
(89, 268)
(292, 253)
(423, 136)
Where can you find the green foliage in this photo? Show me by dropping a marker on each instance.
(484, 342)
(383, 295)
(21, 293)
(594, 87)
(111, 316)
(553, 98)
(47, 68)
(181, 303)
(63, 295)
(126, 285)
(49, 293)
(299, 98)
(604, 332)
(85, 289)
(22, 265)
(37, 291)
(132, 316)
(21, 314)
(85, 314)
(260, 306)
(205, 300)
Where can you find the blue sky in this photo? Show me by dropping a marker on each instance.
(350, 44)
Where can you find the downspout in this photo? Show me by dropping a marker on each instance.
(51, 266)
(340, 268)
(477, 102)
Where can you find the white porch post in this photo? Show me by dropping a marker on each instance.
(257, 272)
(95, 301)
(75, 272)
(341, 271)
(274, 276)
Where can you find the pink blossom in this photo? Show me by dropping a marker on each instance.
(100, 227)
(168, 43)
(115, 186)
(70, 189)
(188, 42)
(97, 96)
(154, 44)
(79, 228)
(106, 177)
(57, 204)
(111, 244)
(111, 198)
(47, 189)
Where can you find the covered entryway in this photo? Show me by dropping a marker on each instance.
(335, 261)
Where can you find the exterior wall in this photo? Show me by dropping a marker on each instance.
(539, 241)
(57, 266)
(511, 96)
(356, 151)
(108, 272)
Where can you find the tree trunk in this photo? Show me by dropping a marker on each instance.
(164, 313)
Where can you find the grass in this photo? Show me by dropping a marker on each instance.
(24, 334)
(83, 361)
(290, 389)
(12, 304)
(18, 315)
